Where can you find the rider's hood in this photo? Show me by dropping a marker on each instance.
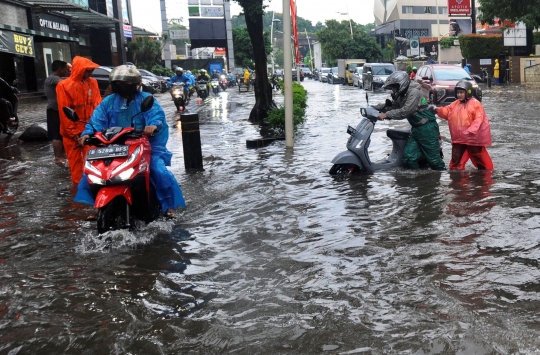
(80, 65)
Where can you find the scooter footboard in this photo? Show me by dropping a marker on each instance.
(348, 158)
(108, 193)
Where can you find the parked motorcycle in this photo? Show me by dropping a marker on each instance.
(202, 89)
(223, 82)
(178, 94)
(118, 171)
(356, 157)
(215, 86)
(9, 121)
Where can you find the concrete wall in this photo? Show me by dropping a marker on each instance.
(531, 74)
(13, 15)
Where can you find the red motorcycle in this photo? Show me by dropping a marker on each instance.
(223, 82)
(118, 171)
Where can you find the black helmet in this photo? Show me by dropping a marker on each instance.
(398, 82)
(464, 85)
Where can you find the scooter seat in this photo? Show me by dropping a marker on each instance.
(398, 134)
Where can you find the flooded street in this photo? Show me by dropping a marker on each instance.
(274, 256)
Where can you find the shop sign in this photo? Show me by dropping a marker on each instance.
(54, 24)
(459, 7)
(127, 31)
(17, 43)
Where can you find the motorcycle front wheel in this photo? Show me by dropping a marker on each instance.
(113, 216)
(342, 169)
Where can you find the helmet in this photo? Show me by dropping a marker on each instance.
(414, 68)
(126, 73)
(398, 82)
(203, 71)
(188, 72)
(468, 65)
(179, 71)
(464, 85)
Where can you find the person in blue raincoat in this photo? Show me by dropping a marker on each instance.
(117, 110)
(182, 77)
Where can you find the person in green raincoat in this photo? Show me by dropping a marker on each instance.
(408, 104)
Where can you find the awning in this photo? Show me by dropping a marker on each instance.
(138, 31)
(38, 33)
(81, 16)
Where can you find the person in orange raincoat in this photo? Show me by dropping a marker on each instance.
(469, 129)
(81, 93)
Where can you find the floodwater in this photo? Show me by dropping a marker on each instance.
(274, 256)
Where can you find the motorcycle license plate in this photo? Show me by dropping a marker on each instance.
(112, 151)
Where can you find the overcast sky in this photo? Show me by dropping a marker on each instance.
(147, 14)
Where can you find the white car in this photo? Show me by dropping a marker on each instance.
(357, 76)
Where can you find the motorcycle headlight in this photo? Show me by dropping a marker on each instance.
(129, 161)
(96, 180)
(92, 168)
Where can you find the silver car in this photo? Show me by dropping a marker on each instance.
(323, 74)
(374, 75)
(357, 76)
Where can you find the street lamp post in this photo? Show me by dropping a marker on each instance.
(272, 39)
(350, 23)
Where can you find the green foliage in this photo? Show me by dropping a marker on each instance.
(243, 49)
(536, 38)
(448, 42)
(276, 118)
(302, 23)
(481, 46)
(527, 11)
(336, 42)
(146, 52)
(163, 71)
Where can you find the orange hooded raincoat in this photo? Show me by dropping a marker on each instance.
(468, 122)
(83, 97)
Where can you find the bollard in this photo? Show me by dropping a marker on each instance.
(489, 81)
(191, 141)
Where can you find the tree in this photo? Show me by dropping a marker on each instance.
(253, 13)
(336, 42)
(514, 10)
(145, 52)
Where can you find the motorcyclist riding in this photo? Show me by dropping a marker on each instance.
(408, 103)
(203, 76)
(180, 77)
(117, 110)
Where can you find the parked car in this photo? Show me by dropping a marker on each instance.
(333, 77)
(357, 76)
(374, 75)
(439, 80)
(101, 74)
(307, 72)
(294, 75)
(151, 76)
(323, 74)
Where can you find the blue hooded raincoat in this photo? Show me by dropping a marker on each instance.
(115, 112)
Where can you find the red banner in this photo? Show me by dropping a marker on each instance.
(459, 7)
(295, 32)
(220, 51)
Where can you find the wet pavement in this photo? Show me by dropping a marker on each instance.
(274, 256)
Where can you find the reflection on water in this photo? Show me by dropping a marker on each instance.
(273, 256)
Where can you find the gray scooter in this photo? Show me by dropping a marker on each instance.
(356, 157)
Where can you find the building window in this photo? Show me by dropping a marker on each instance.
(407, 9)
(443, 10)
(427, 10)
(416, 32)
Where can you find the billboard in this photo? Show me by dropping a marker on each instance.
(17, 43)
(459, 7)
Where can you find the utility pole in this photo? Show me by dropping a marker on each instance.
(473, 16)
(287, 74)
(165, 31)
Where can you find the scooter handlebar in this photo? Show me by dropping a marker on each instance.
(370, 113)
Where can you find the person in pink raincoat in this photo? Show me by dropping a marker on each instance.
(469, 129)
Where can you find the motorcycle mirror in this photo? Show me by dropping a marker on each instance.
(146, 104)
(71, 114)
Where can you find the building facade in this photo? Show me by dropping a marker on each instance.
(34, 33)
(427, 20)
